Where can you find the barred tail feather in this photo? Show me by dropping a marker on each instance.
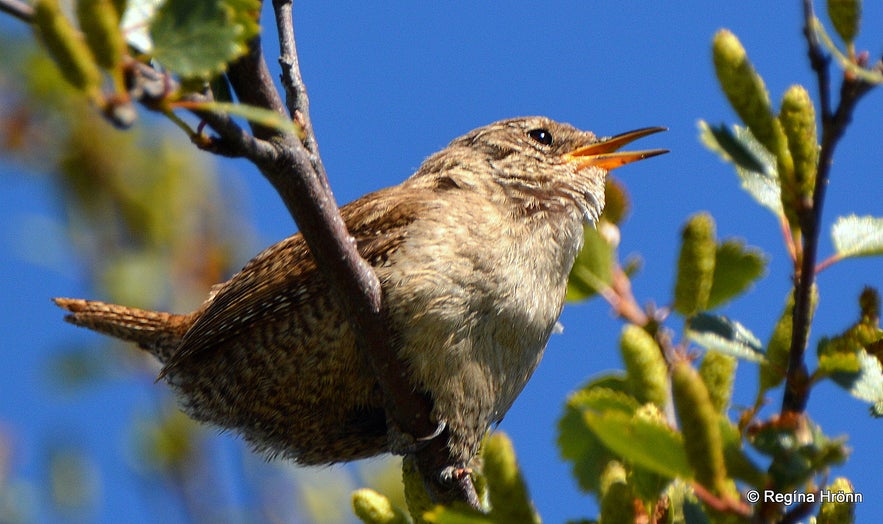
(157, 332)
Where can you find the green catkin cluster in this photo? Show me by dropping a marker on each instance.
(617, 499)
(718, 371)
(373, 508)
(506, 488)
(798, 118)
(416, 496)
(647, 372)
(67, 47)
(746, 91)
(695, 265)
(699, 421)
(833, 511)
(772, 372)
(100, 21)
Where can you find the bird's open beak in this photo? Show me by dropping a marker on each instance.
(604, 154)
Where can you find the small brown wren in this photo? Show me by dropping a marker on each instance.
(473, 254)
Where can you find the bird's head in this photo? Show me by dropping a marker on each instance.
(539, 163)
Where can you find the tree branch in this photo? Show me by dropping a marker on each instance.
(833, 127)
(18, 9)
(301, 181)
(294, 168)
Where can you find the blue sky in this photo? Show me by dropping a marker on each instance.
(390, 85)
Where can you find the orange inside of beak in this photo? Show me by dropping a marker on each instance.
(604, 154)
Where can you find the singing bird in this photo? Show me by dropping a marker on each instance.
(472, 252)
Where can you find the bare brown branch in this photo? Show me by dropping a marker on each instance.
(310, 201)
(833, 127)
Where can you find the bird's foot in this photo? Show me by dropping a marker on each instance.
(401, 443)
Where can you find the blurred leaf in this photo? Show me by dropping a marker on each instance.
(736, 267)
(79, 367)
(762, 184)
(796, 458)
(727, 336)
(739, 465)
(168, 442)
(856, 236)
(864, 383)
(732, 149)
(136, 23)
(846, 16)
(616, 198)
(592, 270)
(73, 480)
(321, 494)
(199, 39)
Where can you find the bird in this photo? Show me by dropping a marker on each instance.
(472, 253)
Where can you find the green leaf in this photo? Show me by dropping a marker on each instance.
(736, 267)
(199, 39)
(845, 16)
(760, 181)
(616, 198)
(254, 114)
(135, 23)
(797, 458)
(865, 383)
(727, 336)
(592, 270)
(578, 444)
(856, 236)
(732, 149)
(648, 444)
(870, 75)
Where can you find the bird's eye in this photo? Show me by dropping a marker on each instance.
(542, 136)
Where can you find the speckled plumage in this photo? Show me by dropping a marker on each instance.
(473, 254)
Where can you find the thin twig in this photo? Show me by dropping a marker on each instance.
(833, 126)
(18, 9)
(295, 89)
